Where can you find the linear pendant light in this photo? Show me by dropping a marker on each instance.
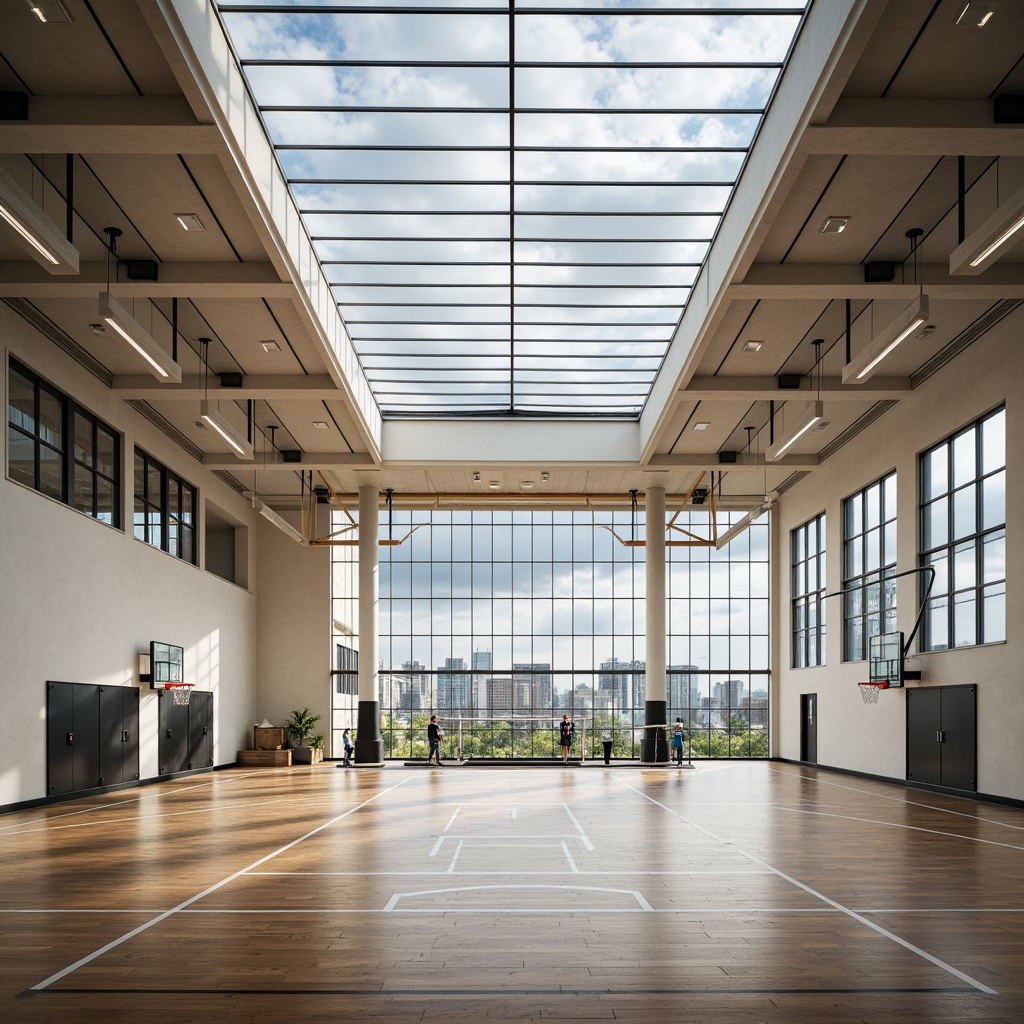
(908, 323)
(162, 366)
(983, 246)
(36, 232)
(211, 415)
(279, 521)
(813, 414)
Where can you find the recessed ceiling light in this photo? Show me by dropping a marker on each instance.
(97, 328)
(189, 221)
(526, 485)
(49, 12)
(752, 346)
(494, 484)
(320, 424)
(975, 13)
(270, 346)
(476, 478)
(701, 426)
(834, 225)
(545, 476)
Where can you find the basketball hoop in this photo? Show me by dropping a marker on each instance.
(869, 691)
(180, 692)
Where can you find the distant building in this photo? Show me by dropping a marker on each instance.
(453, 692)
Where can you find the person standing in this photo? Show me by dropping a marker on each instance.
(346, 742)
(677, 742)
(566, 729)
(434, 736)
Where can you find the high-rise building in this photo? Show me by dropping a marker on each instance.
(453, 693)
(534, 688)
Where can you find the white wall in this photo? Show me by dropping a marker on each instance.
(80, 600)
(871, 738)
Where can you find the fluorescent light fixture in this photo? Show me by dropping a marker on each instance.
(981, 248)
(49, 12)
(810, 416)
(211, 415)
(975, 13)
(834, 225)
(117, 317)
(909, 322)
(752, 346)
(279, 521)
(751, 517)
(189, 221)
(36, 232)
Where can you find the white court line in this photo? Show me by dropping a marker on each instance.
(596, 874)
(568, 857)
(113, 944)
(895, 824)
(645, 907)
(437, 847)
(892, 936)
(513, 812)
(572, 817)
(451, 820)
(900, 800)
(455, 857)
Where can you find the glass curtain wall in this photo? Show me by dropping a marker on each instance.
(500, 622)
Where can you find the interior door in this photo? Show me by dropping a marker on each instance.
(809, 727)
(959, 737)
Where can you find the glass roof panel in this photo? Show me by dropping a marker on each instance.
(511, 203)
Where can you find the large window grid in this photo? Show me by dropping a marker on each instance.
(498, 616)
(507, 228)
(963, 535)
(60, 449)
(808, 546)
(869, 562)
(164, 509)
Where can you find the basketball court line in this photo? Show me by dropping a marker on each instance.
(583, 835)
(114, 943)
(892, 936)
(644, 906)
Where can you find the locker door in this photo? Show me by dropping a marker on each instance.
(200, 728)
(130, 723)
(959, 742)
(173, 745)
(110, 736)
(60, 724)
(924, 725)
(86, 729)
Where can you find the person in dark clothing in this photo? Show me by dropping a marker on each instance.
(434, 737)
(565, 733)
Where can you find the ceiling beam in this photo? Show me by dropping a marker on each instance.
(310, 461)
(912, 127)
(110, 124)
(823, 282)
(175, 280)
(260, 387)
(743, 461)
(766, 389)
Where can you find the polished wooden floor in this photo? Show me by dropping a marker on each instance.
(733, 892)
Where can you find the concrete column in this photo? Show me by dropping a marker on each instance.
(369, 743)
(654, 746)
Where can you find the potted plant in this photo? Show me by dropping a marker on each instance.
(299, 725)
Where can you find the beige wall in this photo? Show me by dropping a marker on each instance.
(871, 738)
(79, 600)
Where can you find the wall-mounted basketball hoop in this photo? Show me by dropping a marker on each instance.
(869, 691)
(180, 692)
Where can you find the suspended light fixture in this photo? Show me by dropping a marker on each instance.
(983, 246)
(904, 326)
(810, 417)
(36, 232)
(210, 414)
(112, 313)
(279, 521)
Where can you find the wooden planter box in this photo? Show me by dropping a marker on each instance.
(270, 737)
(264, 758)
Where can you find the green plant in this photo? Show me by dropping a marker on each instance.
(300, 724)
(317, 742)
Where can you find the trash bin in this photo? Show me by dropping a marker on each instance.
(607, 743)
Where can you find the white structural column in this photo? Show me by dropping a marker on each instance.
(654, 746)
(369, 744)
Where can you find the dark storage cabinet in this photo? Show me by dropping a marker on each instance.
(186, 732)
(941, 736)
(92, 736)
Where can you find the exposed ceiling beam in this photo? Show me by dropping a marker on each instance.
(824, 282)
(710, 461)
(766, 389)
(110, 124)
(310, 461)
(176, 280)
(260, 387)
(912, 127)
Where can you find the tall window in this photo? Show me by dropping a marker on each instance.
(869, 562)
(164, 509)
(502, 621)
(60, 449)
(963, 535)
(808, 593)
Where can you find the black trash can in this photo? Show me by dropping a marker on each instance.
(607, 743)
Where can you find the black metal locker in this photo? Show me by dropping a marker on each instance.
(173, 752)
(942, 736)
(200, 730)
(60, 727)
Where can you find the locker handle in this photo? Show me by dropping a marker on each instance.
(71, 738)
(940, 736)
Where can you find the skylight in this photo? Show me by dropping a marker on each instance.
(512, 203)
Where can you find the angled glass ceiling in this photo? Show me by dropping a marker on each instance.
(512, 202)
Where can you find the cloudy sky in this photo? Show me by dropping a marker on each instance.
(508, 236)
